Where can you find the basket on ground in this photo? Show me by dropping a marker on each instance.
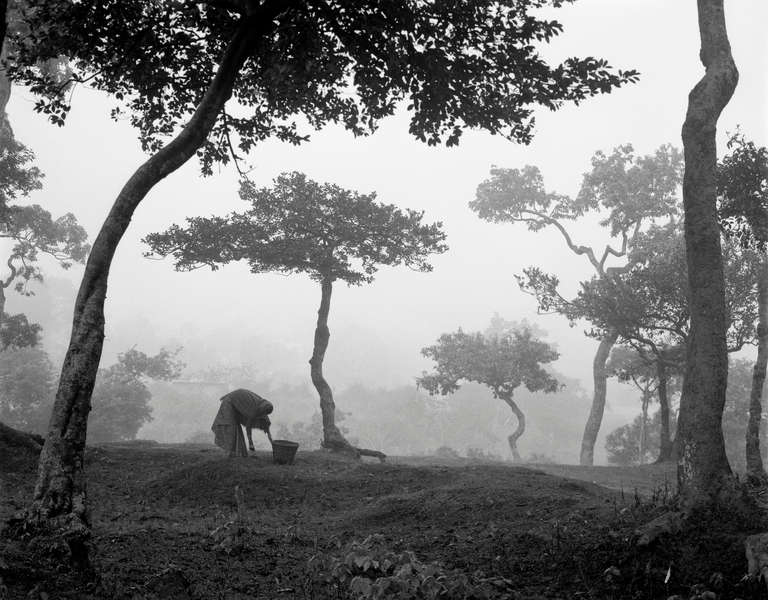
(283, 452)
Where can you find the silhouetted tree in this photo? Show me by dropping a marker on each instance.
(627, 191)
(501, 362)
(174, 67)
(301, 226)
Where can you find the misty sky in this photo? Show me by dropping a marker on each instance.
(150, 305)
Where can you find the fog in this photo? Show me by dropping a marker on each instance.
(263, 324)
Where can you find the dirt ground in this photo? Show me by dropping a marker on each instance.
(159, 512)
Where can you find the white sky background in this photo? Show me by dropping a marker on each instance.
(149, 304)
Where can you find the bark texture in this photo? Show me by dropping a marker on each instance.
(3, 21)
(59, 501)
(512, 439)
(703, 472)
(600, 377)
(755, 467)
(6, 132)
(665, 438)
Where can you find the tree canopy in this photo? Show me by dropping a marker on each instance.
(301, 226)
(626, 191)
(501, 362)
(455, 65)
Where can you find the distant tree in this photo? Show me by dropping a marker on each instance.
(456, 65)
(26, 388)
(656, 371)
(738, 415)
(121, 396)
(625, 190)
(629, 366)
(625, 445)
(502, 363)
(648, 305)
(301, 226)
(742, 187)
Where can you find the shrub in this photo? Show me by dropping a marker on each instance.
(367, 570)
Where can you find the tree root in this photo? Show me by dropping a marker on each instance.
(342, 446)
(66, 538)
(669, 523)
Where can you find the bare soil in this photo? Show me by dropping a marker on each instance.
(546, 531)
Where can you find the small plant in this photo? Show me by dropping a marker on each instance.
(236, 535)
(367, 570)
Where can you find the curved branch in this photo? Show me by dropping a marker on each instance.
(12, 276)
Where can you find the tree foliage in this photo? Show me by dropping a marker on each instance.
(648, 302)
(502, 363)
(455, 65)
(301, 226)
(742, 187)
(26, 388)
(34, 231)
(624, 190)
(121, 397)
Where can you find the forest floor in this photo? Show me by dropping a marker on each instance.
(165, 526)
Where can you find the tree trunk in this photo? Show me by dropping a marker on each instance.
(518, 433)
(333, 439)
(665, 439)
(3, 21)
(595, 418)
(754, 459)
(59, 502)
(644, 426)
(703, 471)
(6, 132)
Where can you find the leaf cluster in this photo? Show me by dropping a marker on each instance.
(34, 231)
(301, 226)
(742, 187)
(502, 362)
(647, 303)
(16, 331)
(624, 189)
(18, 176)
(368, 570)
(456, 65)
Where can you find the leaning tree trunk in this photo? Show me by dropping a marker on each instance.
(59, 502)
(754, 459)
(595, 419)
(518, 433)
(665, 439)
(333, 439)
(703, 471)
